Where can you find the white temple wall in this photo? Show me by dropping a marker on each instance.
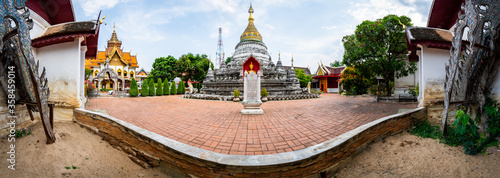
(432, 74)
(403, 84)
(39, 25)
(64, 71)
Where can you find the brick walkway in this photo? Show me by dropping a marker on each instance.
(218, 126)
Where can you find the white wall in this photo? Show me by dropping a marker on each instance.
(403, 84)
(432, 74)
(39, 25)
(63, 70)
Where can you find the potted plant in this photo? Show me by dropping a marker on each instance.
(263, 94)
(236, 95)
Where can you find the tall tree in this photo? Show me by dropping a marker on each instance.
(303, 78)
(164, 68)
(192, 67)
(378, 48)
(336, 64)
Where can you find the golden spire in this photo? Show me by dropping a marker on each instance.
(292, 60)
(250, 32)
(114, 38)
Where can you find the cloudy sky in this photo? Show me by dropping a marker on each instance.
(310, 30)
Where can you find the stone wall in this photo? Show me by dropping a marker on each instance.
(23, 119)
(181, 160)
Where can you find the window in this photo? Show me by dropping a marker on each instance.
(125, 73)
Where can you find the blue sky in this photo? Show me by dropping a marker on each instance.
(310, 30)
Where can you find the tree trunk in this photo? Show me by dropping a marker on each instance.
(387, 87)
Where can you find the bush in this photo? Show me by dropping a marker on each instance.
(181, 89)
(263, 92)
(145, 88)
(236, 93)
(166, 88)
(353, 82)
(134, 91)
(173, 91)
(380, 89)
(159, 88)
(151, 87)
(466, 131)
(199, 86)
(105, 89)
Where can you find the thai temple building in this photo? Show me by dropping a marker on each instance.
(327, 78)
(113, 68)
(251, 49)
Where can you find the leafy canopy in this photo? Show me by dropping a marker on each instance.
(164, 68)
(378, 48)
(193, 67)
(303, 78)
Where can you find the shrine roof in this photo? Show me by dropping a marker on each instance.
(444, 13)
(431, 37)
(66, 32)
(306, 69)
(429, 34)
(54, 11)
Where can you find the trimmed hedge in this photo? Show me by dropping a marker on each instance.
(166, 88)
(182, 88)
(173, 91)
(151, 88)
(159, 88)
(134, 90)
(144, 88)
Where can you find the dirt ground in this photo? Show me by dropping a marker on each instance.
(401, 155)
(405, 155)
(75, 147)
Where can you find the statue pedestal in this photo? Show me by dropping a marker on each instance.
(251, 107)
(252, 102)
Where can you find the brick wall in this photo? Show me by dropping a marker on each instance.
(180, 160)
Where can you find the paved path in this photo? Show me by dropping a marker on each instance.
(218, 126)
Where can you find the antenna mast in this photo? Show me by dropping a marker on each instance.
(220, 50)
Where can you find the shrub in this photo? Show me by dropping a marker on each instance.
(181, 89)
(263, 92)
(144, 88)
(466, 131)
(151, 87)
(159, 88)
(166, 88)
(236, 93)
(353, 82)
(105, 89)
(134, 91)
(199, 86)
(173, 91)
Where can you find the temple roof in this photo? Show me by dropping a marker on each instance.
(114, 47)
(65, 32)
(306, 69)
(444, 13)
(54, 11)
(251, 32)
(114, 39)
(429, 34)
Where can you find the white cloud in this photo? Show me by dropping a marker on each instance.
(92, 7)
(329, 27)
(375, 9)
